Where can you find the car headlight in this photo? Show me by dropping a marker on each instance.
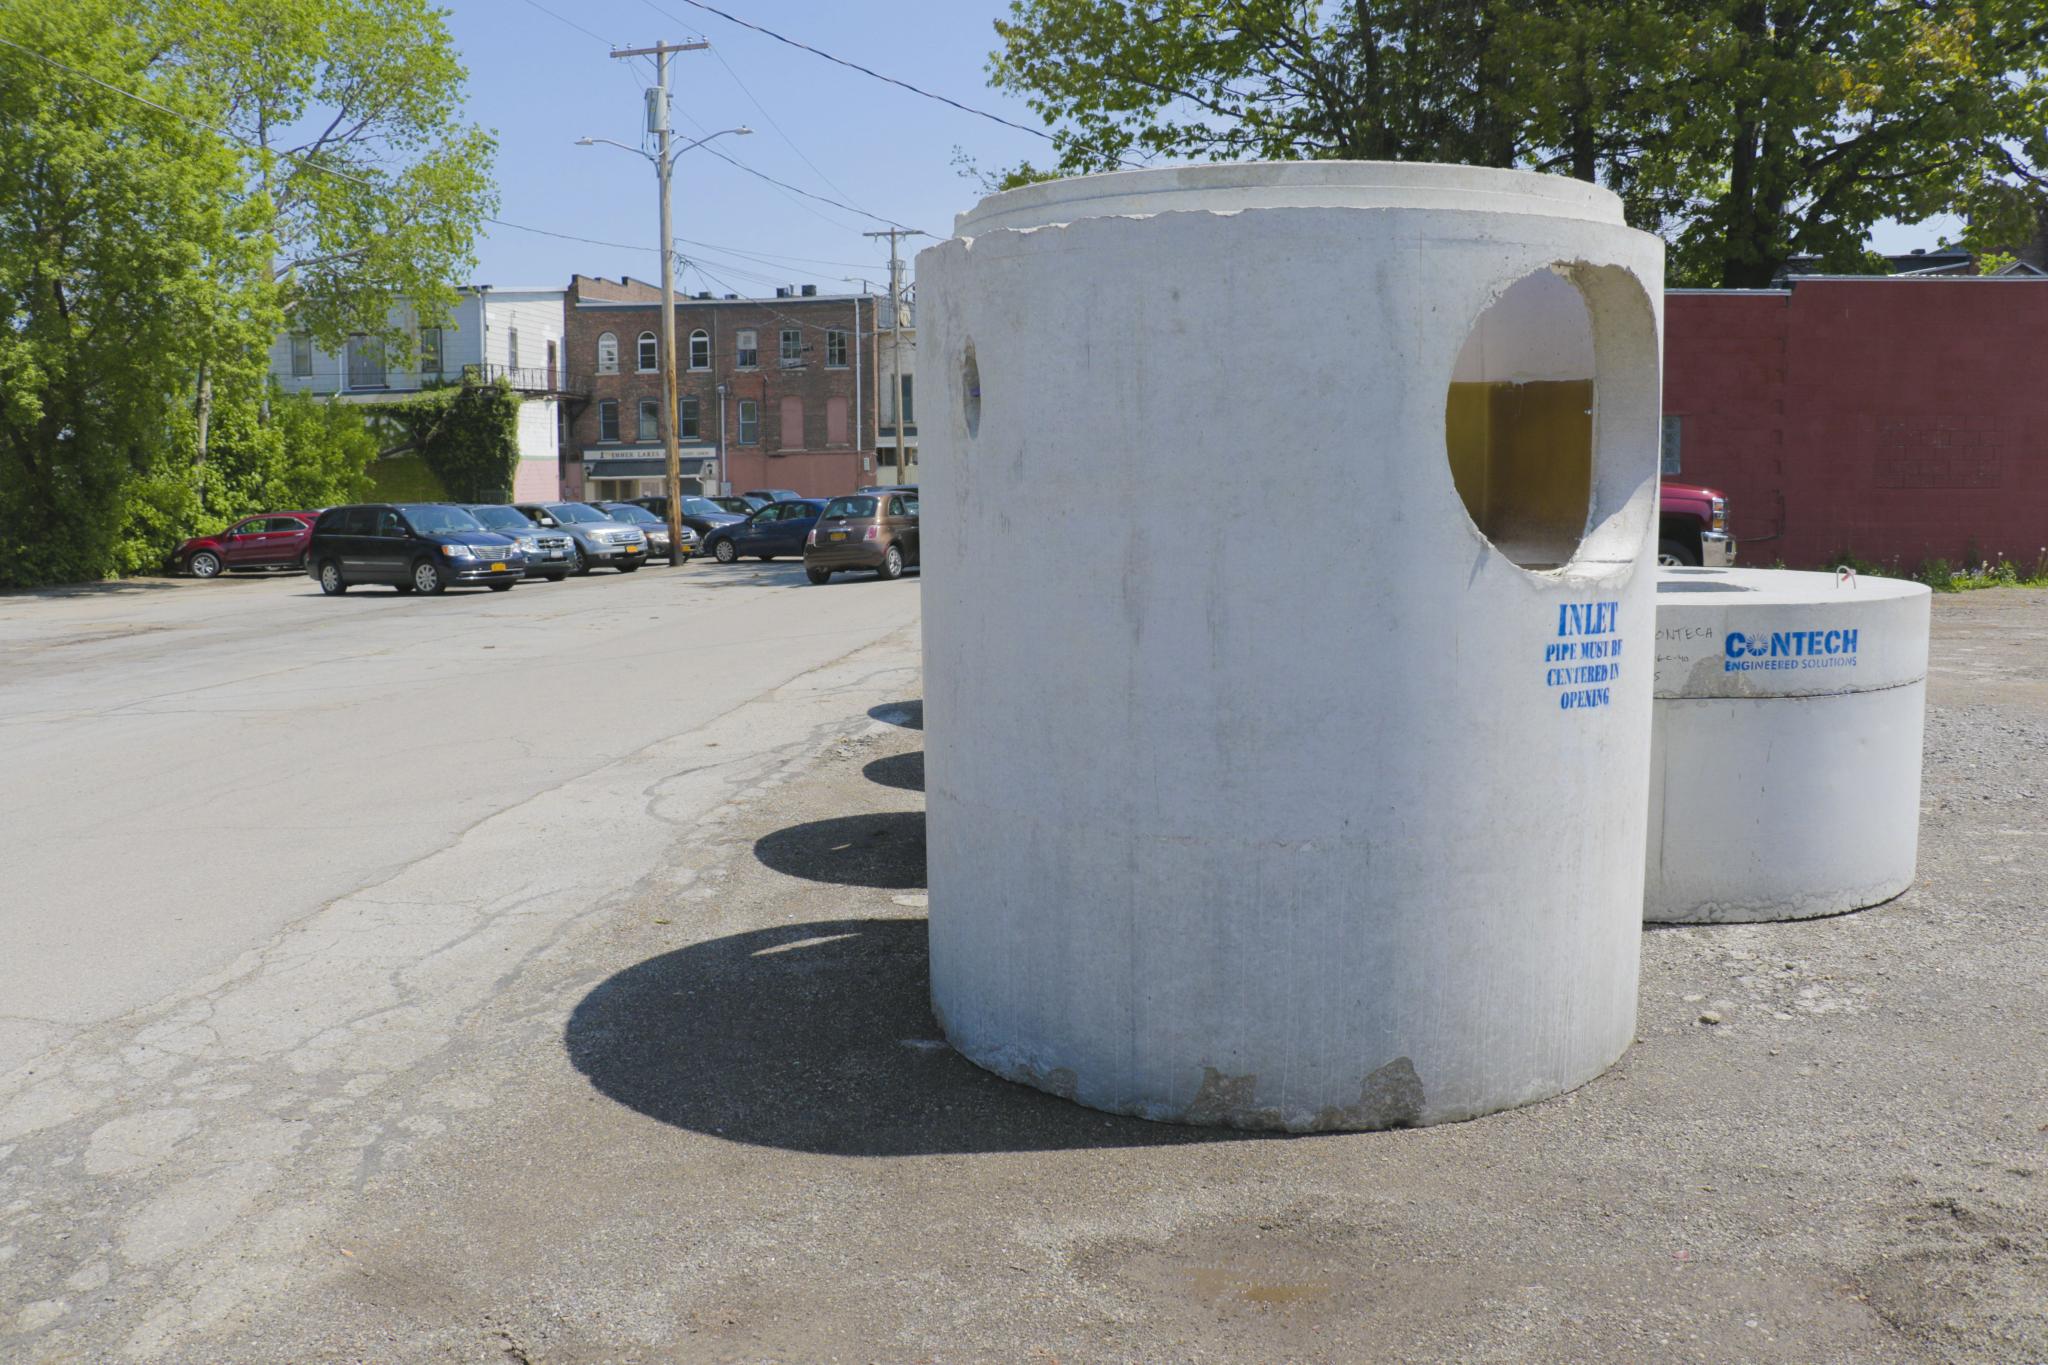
(456, 551)
(527, 544)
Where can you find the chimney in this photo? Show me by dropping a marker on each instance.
(732, 296)
(781, 291)
(810, 291)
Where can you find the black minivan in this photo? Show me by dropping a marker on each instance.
(413, 546)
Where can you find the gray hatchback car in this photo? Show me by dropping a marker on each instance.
(594, 538)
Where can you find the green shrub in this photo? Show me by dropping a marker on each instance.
(404, 478)
(1936, 574)
(468, 436)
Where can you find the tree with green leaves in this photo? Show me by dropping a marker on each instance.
(467, 436)
(177, 177)
(1746, 131)
(350, 112)
(120, 245)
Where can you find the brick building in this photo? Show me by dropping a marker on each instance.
(1897, 417)
(771, 393)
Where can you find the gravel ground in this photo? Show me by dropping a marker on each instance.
(721, 1126)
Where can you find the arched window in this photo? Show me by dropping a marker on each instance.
(650, 353)
(700, 350)
(608, 353)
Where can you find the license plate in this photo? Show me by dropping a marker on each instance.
(632, 549)
(837, 535)
(497, 568)
(555, 554)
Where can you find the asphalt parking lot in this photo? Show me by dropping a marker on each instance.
(707, 1115)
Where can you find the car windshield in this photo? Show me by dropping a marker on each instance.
(627, 511)
(434, 519)
(575, 511)
(850, 507)
(701, 507)
(506, 519)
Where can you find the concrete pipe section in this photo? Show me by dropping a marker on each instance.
(1785, 755)
(1289, 533)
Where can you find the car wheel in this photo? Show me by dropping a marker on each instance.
(727, 552)
(1676, 554)
(820, 576)
(331, 581)
(500, 587)
(578, 565)
(205, 564)
(892, 563)
(426, 577)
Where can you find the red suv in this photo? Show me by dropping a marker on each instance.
(275, 540)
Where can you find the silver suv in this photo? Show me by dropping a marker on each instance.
(594, 538)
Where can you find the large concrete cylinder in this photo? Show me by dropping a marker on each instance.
(1785, 749)
(1288, 555)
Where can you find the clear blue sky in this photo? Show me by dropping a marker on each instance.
(540, 83)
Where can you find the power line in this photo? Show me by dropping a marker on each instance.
(570, 22)
(562, 19)
(783, 185)
(243, 141)
(856, 66)
(763, 175)
(777, 126)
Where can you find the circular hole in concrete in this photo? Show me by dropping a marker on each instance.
(1518, 421)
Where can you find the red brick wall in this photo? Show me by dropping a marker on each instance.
(1898, 419)
(809, 462)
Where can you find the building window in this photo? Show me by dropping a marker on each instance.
(430, 350)
(748, 345)
(607, 353)
(687, 421)
(909, 402)
(302, 356)
(608, 420)
(1674, 440)
(365, 362)
(700, 350)
(792, 424)
(835, 350)
(650, 419)
(750, 422)
(792, 347)
(511, 348)
(650, 353)
(835, 420)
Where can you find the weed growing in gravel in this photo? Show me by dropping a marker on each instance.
(1977, 571)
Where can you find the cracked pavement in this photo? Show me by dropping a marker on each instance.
(270, 860)
(487, 1104)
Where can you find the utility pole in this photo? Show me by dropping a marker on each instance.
(896, 331)
(658, 124)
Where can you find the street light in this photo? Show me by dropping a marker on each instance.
(664, 163)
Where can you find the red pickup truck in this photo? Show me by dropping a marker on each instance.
(1692, 526)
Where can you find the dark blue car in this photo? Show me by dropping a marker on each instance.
(778, 529)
